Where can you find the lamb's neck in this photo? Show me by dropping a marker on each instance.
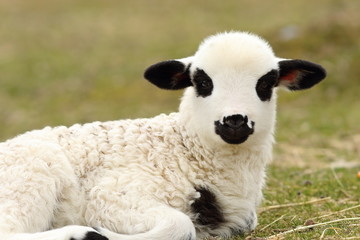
(227, 161)
(226, 173)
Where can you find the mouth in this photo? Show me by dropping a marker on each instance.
(234, 135)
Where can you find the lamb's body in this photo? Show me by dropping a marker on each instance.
(195, 173)
(105, 170)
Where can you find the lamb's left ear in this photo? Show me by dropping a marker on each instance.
(172, 74)
(299, 74)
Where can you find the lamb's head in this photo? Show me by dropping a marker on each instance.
(231, 86)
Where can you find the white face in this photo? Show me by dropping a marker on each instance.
(224, 104)
(231, 86)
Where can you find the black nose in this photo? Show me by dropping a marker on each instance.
(234, 129)
(235, 121)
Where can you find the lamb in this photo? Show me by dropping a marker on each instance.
(187, 175)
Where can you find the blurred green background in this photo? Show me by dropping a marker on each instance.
(64, 62)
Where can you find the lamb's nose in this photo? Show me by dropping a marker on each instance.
(235, 121)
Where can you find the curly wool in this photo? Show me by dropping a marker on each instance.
(94, 165)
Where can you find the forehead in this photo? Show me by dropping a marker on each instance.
(235, 53)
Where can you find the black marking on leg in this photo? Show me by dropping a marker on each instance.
(207, 209)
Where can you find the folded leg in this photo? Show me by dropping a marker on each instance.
(163, 223)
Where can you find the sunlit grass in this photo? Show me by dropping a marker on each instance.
(63, 62)
(299, 197)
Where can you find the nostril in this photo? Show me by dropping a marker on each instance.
(235, 121)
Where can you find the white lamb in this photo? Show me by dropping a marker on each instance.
(188, 175)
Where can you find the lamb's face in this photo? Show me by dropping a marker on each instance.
(233, 97)
(232, 81)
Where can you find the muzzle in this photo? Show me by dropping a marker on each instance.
(234, 129)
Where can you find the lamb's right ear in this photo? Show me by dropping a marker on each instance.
(172, 74)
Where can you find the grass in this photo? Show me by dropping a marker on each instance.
(298, 197)
(63, 62)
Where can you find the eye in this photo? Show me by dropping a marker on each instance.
(265, 85)
(205, 84)
(202, 83)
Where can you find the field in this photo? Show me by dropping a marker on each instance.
(64, 62)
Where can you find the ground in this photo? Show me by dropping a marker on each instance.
(63, 62)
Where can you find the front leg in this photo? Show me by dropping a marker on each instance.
(246, 224)
(218, 215)
(161, 222)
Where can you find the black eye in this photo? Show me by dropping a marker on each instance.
(265, 85)
(203, 83)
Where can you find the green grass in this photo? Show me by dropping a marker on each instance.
(338, 188)
(63, 62)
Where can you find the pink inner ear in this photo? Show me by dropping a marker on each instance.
(180, 75)
(290, 77)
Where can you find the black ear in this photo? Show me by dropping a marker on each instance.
(171, 74)
(300, 74)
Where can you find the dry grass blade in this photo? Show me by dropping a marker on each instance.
(334, 213)
(301, 228)
(264, 209)
(276, 220)
(327, 229)
(340, 183)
